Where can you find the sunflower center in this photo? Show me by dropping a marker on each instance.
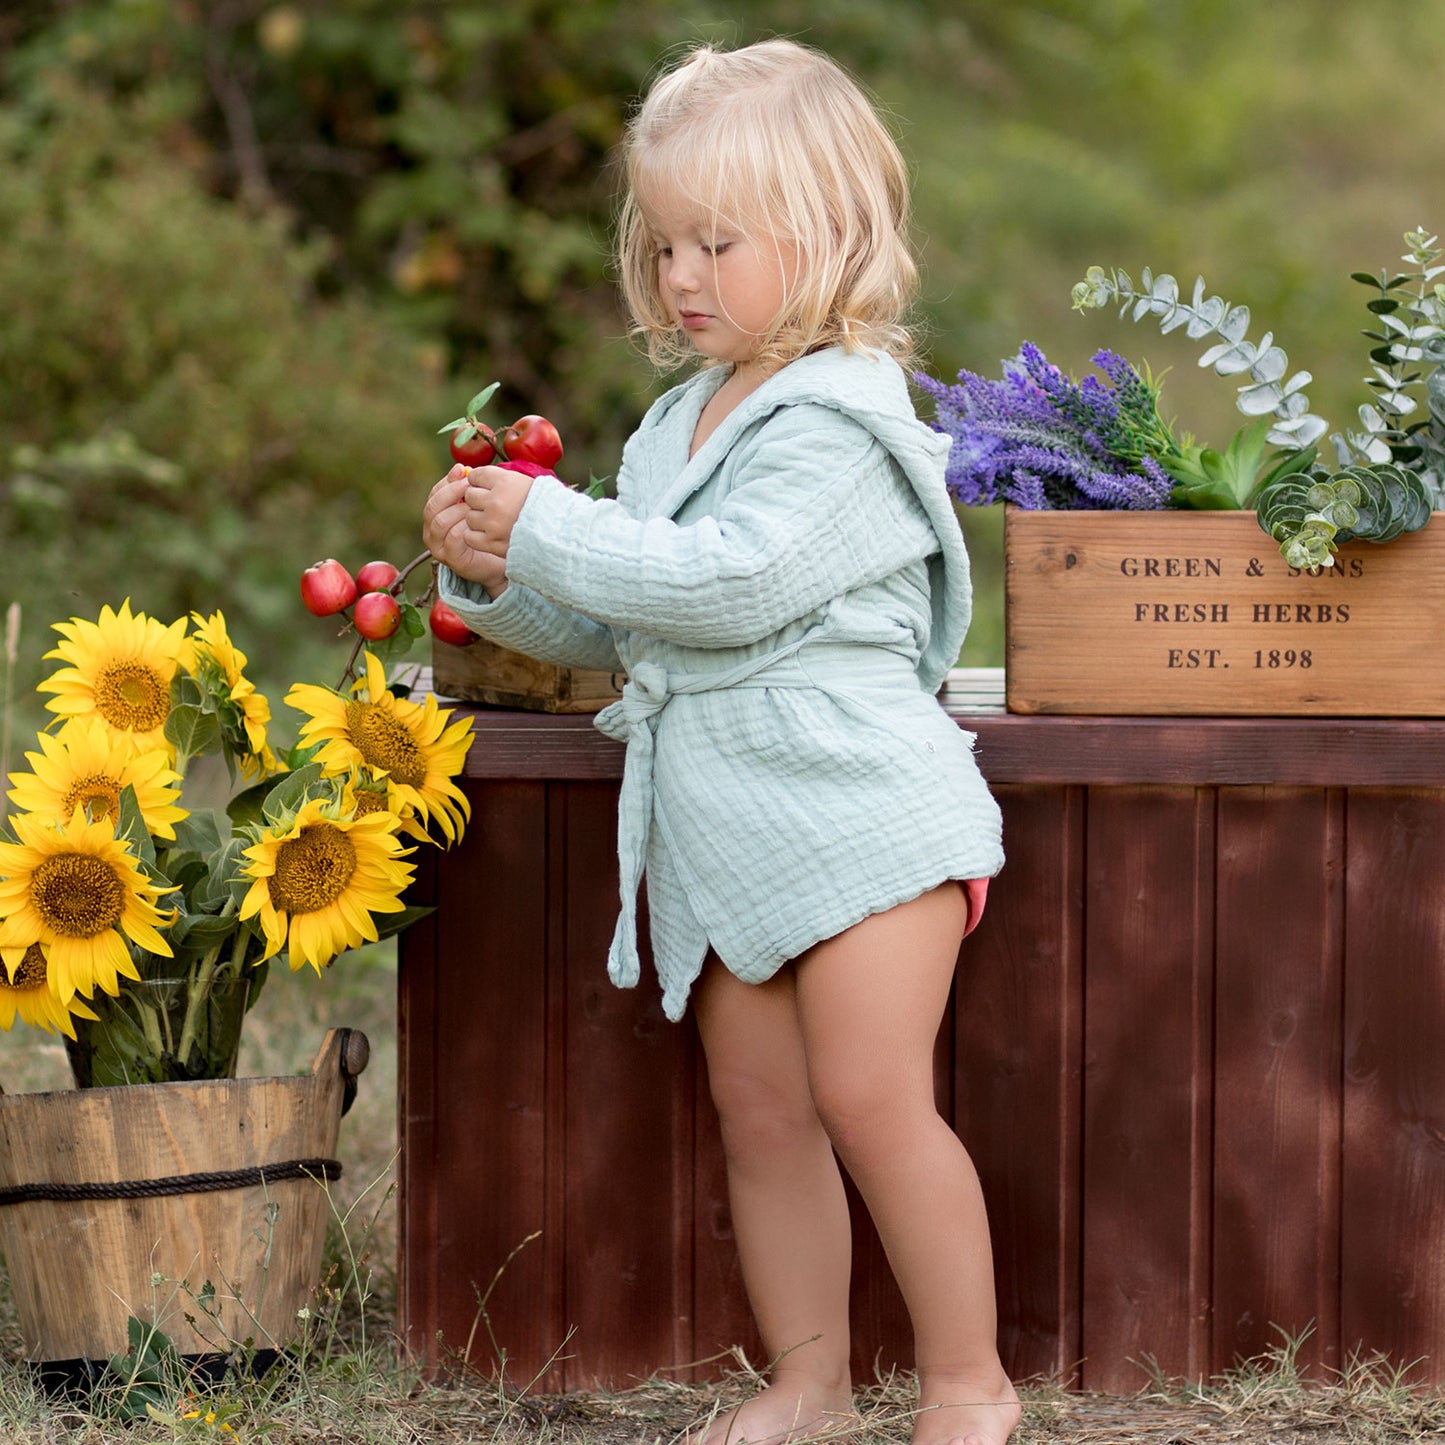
(132, 697)
(385, 743)
(312, 870)
(77, 895)
(98, 795)
(29, 972)
(368, 800)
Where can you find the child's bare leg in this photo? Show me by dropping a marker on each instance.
(789, 1211)
(870, 1002)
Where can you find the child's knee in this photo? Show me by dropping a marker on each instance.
(758, 1117)
(866, 1115)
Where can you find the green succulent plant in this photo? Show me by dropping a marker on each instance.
(1311, 514)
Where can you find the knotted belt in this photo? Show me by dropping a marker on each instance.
(633, 720)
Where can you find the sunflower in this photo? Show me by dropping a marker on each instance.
(407, 742)
(217, 665)
(86, 765)
(75, 888)
(119, 669)
(319, 881)
(25, 992)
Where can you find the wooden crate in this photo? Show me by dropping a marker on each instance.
(1196, 613)
(484, 672)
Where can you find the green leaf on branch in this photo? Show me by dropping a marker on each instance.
(482, 398)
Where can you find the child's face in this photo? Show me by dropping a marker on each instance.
(724, 287)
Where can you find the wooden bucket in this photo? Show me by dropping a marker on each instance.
(143, 1200)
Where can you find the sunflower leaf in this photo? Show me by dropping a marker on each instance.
(191, 731)
(130, 827)
(391, 923)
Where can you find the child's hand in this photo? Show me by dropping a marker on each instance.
(446, 532)
(494, 502)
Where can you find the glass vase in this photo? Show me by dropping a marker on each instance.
(167, 1026)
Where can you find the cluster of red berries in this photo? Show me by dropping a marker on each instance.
(373, 599)
(327, 588)
(532, 439)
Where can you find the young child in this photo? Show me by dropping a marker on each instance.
(783, 580)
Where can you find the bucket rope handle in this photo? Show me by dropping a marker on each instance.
(327, 1169)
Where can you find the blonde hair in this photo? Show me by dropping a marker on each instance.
(775, 140)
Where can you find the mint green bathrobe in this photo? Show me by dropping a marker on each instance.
(785, 604)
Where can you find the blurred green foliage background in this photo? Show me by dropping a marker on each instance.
(253, 254)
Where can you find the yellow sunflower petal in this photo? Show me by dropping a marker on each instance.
(320, 880)
(411, 744)
(86, 765)
(76, 889)
(26, 993)
(118, 669)
(218, 665)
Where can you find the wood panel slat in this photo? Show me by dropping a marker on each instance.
(418, 1169)
(489, 1038)
(1146, 1123)
(1280, 936)
(1018, 1009)
(1393, 1205)
(629, 1095)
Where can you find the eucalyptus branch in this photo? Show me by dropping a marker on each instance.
(1409, 310)
(1267, 393)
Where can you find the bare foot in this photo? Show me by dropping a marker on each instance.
(953, 1411)
(784, 1413)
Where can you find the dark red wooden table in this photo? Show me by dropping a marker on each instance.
(1195, 1051)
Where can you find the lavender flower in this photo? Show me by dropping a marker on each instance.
(1041, 440)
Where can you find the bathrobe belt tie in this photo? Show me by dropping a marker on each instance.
(633, 720)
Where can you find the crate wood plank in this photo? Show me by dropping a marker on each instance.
(81, 1268)
(1280, 932)
(489, 1042)
(485, 673)
(1146, 1118)
(1018, 1010)
(1393, 1207)
(626, 1196)
(1196, 613)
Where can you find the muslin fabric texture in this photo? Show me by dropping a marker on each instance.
(786, 602)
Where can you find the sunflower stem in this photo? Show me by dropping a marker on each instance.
(199, 993)
(150, 1027)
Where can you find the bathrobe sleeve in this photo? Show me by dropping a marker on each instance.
(816, 507)
(521, 619)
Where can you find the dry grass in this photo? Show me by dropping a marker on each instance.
(351, 1383)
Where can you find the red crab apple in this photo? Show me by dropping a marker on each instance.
(532, 439)
(376, 615)
(327, 588)
(376, 577)
(477, 450)
(446, 626)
